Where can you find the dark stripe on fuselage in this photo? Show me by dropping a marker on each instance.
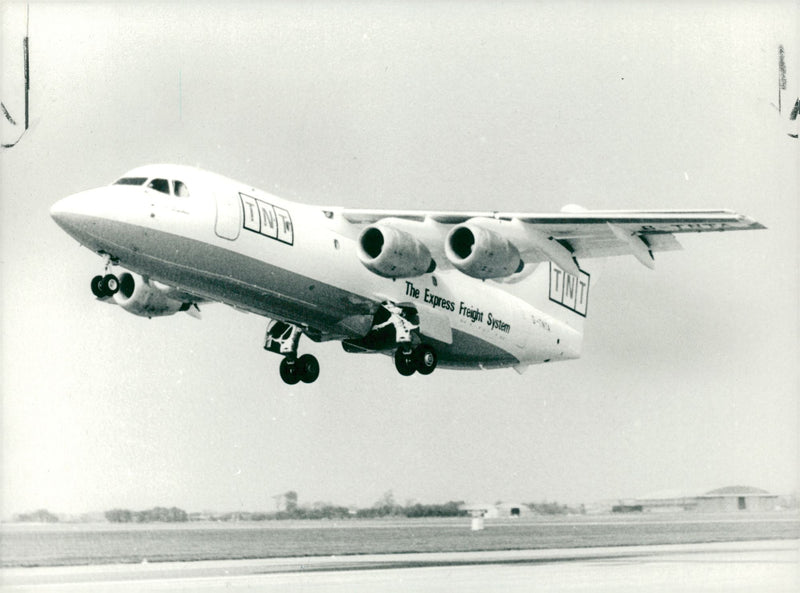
(227, 276)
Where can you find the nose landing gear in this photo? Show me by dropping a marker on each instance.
(106, 286)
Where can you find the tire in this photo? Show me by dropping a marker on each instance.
(308, 368)
(405, 362)
(110, 284)
(425, 359)
(289, 372)
(97, 287)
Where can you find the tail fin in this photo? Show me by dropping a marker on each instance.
(793, 119)
(557, 293)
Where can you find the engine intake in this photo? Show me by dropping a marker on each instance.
(141, 297)
(392, 253)
(481, 253)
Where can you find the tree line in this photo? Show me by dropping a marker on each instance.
(383, 508)
(154, 515)
(334, 512)
(40, 516)
(386, 507)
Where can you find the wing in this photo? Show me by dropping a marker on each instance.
(565, 237)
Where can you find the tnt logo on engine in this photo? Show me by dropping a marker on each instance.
(570, 291)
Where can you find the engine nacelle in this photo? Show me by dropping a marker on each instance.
(392, 253)
(141, 297)
(481, 253)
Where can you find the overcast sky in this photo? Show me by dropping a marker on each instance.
(689, 375)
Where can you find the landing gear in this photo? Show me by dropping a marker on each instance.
(426, 359)
(422, 359)
(396, 327)
(405, 362)
(305, 369)
(106, 286)
(283, 338)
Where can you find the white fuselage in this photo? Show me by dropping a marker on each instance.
(231, 243)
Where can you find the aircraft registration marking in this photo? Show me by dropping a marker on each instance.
(267, 219)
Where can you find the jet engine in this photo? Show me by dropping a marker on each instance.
(146, 298)
(481, 253)
(392, 253)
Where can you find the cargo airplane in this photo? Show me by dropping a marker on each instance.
(462, 290)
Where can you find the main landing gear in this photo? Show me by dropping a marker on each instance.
(304, 368)
(396, 327)
(408, 358)
(421, 359)
(282, 338)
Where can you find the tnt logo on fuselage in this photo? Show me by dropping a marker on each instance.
(265, 219)
(569, 291)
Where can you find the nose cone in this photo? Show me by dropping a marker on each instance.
(81, 215)
(65, 210)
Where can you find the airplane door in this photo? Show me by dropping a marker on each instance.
(229, 215)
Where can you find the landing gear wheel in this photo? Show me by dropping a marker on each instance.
(105, 286)
(97, 287)
(290, 371)
(109, 284)
(308, 367)
(425, 359)
(405, 362)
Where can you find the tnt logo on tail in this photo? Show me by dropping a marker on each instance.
(568, 290)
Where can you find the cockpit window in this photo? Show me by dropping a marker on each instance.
(131, 181)
(161, 185)
(180, 189)
(166, 186)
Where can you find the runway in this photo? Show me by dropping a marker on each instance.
(751, 567)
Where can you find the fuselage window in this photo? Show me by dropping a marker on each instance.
(131, 181)
(180, 189)
(161, 185)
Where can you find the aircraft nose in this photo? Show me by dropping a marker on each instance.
(61, 209)
(77, 208)
(65, 210)
(80, 212)
(96, 217)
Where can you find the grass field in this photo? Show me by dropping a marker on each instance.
(79, 544)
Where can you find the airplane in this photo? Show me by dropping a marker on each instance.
(458, 290)
(794, 119)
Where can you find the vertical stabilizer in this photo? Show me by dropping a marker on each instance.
(557, 293)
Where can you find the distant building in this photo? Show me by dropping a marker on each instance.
(737, 498)
(507, 509)
(666, 501)
(728, 499)
(498, 510)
